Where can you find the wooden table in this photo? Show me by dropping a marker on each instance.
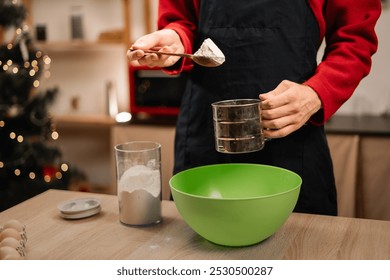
(102, 236)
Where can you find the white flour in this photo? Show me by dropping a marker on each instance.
(210, 49)
(141, 177)
(139, 196)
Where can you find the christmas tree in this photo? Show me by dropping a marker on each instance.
(29, 161)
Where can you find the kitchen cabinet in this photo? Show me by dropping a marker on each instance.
(361, 158)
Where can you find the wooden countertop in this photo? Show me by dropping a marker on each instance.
(303, 236)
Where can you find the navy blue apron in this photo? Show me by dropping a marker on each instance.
(264, 42)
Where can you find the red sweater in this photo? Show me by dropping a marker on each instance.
(346, 25)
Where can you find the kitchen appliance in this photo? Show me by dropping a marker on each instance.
(154, 92)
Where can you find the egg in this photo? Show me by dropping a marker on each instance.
(16, 225)
(9, 253)
(11, 242)
(10, 232)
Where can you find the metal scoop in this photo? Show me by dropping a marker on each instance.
(198, 59)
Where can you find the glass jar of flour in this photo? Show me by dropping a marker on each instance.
(138, 166)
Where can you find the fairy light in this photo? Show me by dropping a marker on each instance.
(32, 175)
(20, 139)
(59, 175)
(36, 83)
(2, 123)
(32, 72)
(5, 67)
(27, 64)
(12, 135)
(9, 46)
(18, 31)
(64, 167)
(17, 172)
(47, 178)
(1, 164)
(15, 70)
(54, 135)
(9, 62)
(38, 54)
(47, 59)
(34, 63)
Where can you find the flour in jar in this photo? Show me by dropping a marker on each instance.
(139, 196)
(141, 177)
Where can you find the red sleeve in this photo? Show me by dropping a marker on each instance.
(181, 16)
(348, 27)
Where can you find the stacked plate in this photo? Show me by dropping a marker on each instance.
(79, 208)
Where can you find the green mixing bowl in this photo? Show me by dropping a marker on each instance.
(235, 204)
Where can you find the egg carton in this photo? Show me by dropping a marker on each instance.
(13, 239)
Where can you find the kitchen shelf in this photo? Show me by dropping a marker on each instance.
(83, 120)
(66, 46)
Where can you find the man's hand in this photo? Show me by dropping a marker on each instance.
(287, 108)
(166, 40)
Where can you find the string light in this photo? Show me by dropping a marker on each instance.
(31, 175)
(17, 172)
(2, 123)
(12, 135)
(47, 178)
(1, 164)
(32, 72)
(64, 167)
(54, 135)
(9, 62)
(59, 175)
(46, 59)
(20, 138)
(36, 83)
